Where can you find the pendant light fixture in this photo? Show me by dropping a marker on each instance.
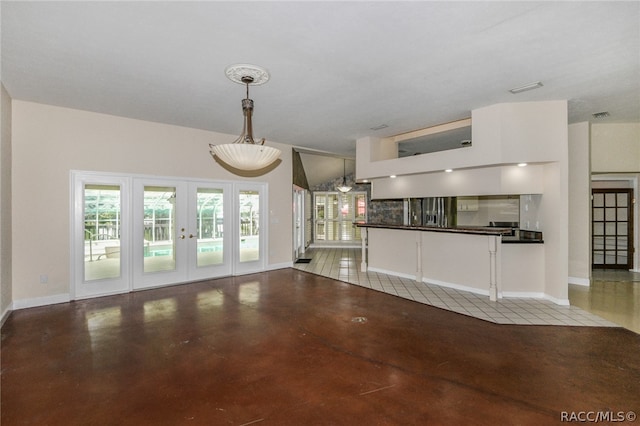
(244, 153)
(344, 187)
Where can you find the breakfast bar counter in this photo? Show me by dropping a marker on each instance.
(465, 258)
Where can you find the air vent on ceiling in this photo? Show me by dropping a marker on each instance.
(380, 127)
(603, 114)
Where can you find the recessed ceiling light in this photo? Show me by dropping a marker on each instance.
(603, 114)
(448, 170)
(392, 176)
(380, 127)
(530, 86)
(522, 164)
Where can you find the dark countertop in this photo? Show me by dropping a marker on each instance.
(477, 230)
(474, 230)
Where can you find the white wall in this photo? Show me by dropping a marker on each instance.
(5, 203)
(49, 142)
(502, 134)
(500, 180)
(579, 204)
(615, 147)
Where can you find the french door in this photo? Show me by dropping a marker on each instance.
(178, 231)
(133, 233)
(612, 228)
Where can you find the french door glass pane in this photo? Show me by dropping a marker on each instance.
(102, 222)
(598, 243)
(598, 257)
(159, 228)
(622, 228)
(249, 225)
(610, 199)
(598, 200)
(622, 213)
(610, 228)
(210, 211)
(622, 200)
(598, 213)
(610, 214)
(598, 229)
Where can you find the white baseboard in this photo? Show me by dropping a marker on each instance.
(282, 265)
(482, 292)
(6, 314)
(392, 273)
(41, 301)
(455, 286)
(563, 302)
(580, 281)
(523, 295)
(335, 245)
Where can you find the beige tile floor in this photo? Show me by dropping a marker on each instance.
(343, 264)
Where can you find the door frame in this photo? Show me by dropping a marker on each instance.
(299, 225)
(250, 267)
(122, 284)
(632, 182)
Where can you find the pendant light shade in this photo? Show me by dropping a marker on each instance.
(244, 153)
(344, 187)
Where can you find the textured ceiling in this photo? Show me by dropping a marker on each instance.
(337, 69)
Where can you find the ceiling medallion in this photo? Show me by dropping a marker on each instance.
(238, 73)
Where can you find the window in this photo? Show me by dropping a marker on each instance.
(334, 214)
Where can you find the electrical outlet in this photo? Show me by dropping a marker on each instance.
(44, 278)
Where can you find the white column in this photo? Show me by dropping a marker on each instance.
(493, 267)
(419, 257)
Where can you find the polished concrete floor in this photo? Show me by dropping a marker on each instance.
(344, 264)
(288, 347)
(613, 295)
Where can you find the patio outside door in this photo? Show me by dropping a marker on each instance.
(179, 231)
(133, 233)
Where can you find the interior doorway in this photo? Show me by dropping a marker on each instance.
(612, 228)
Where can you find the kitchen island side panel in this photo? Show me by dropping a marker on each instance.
(393, 251)
(448, 259)
(457, 260)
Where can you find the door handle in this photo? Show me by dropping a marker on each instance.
(182, 237)
(191, 236)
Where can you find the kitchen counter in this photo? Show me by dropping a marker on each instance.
(484, 260)
(476, 230)
(526, 237)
